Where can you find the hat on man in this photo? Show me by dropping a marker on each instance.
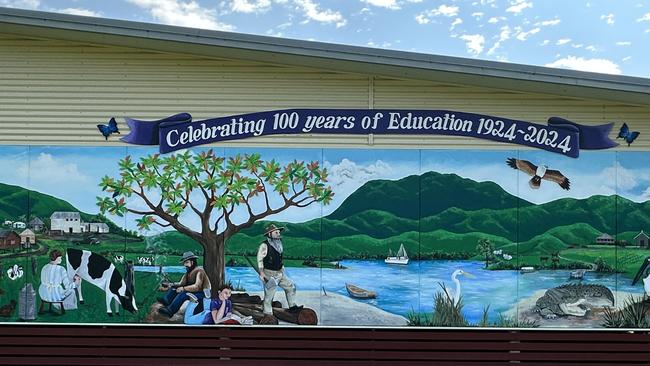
(188, 256)
(272, 228)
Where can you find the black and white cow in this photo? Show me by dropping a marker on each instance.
(145, 261)
(99, 271)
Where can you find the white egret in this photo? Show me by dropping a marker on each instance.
(454, 295)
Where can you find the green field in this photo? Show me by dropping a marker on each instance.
(625, 260)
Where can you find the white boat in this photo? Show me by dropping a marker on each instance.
(400, 258)
(527, 270)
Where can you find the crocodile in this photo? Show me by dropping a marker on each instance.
(572, 299)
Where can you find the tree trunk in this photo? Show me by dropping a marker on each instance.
(214, 263)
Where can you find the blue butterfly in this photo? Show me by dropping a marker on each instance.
(107, 130)
(625, 133)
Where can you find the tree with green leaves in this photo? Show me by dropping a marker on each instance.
(485, 248)
(165, 185)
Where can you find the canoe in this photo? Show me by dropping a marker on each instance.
(359, 293)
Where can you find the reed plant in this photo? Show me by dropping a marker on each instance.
(632, 315)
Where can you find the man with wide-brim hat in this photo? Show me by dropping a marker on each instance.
(271, 269)
(194, 281)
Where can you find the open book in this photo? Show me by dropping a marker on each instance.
(234, 319)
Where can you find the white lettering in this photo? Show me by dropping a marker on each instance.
(169, 138)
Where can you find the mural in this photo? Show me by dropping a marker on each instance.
(350, 237)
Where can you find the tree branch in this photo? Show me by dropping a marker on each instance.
(140, 212)
(266, 195)
(172, 220)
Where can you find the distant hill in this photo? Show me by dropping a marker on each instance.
(425, 195)
(19, 203)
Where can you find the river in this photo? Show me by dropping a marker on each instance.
(404, 288)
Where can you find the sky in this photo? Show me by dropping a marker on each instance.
(606, 36)
(73, 173)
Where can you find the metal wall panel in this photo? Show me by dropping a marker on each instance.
(55, 92)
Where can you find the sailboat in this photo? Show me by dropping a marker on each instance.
(400, 258)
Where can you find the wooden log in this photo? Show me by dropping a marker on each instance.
(305, 316)
(275, 304)
(258, 316)
(245, 298)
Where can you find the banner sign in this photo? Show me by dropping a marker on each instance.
(179, 131)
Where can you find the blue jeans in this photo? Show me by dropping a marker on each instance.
(175, 300)
(198, 318)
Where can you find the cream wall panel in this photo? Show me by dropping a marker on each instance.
(55, 92)
(413, 94)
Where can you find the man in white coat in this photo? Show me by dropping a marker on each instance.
(271, 269)
(56, 286)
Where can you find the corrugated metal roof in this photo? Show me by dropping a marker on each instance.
(407, 65)
(59, 215)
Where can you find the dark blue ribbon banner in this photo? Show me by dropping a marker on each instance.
(180, 132)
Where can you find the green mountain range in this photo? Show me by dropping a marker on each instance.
(436, 212)
(18, 203)
(433, 214)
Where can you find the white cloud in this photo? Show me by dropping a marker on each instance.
(628, 58)
(547, 23)
(422, 19)
(312, 12)
(644, 18)
(182, 13)
(517, 6)
(478, 15)
(474, 43)
(504, 35)
(562, 41)
(618, 177)
(626, 43)
(250, 6)
(577, 45)
(347, 171)
(24, 4)
(582, 64)
(591, 48)
(46, 169)
(443, 10)
(609, 18)
(446, 10)
(545, 42)
(78, 11)
(456, 22)
(522, 36)
(388, 4)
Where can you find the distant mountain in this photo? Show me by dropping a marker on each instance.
(425, 195)
(18, 203)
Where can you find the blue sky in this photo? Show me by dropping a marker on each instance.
(605, 36)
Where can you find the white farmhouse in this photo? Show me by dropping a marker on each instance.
(66, 222)
(95, 227)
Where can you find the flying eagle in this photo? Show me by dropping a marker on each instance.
(539, 173)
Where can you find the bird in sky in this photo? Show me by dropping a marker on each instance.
(539, 173)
